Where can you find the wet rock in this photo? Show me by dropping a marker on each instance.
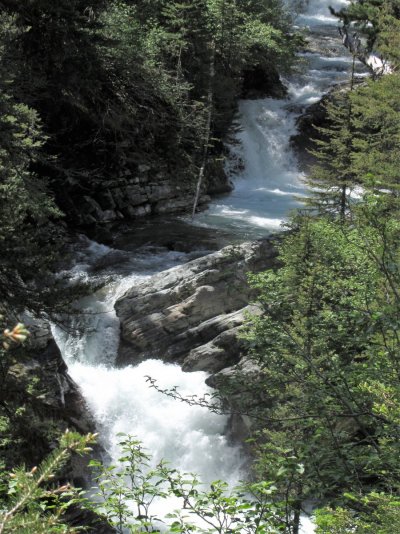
(314, 117)
(137, 212)
(132, 196)
(112, 258)
(170, 233)
(190, 314)
(217, 180)
(63, 394)
(60, 404)
(144, 191)
(242, 376)
(172, 205)
(160, 191)
(222, 351)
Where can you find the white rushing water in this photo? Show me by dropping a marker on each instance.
(265, 172)
(190, 438)
(267, 180)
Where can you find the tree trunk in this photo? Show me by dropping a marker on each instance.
(207, 131)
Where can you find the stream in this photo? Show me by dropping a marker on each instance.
(268, 185)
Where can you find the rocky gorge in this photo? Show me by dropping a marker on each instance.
(192, 315)
(46, 401)
(170, 304)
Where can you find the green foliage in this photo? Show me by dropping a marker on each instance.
(332, 179)
(126, 493)
(30, 419)
(326, 349)
(376, 144)
(376, 513)
(360, 143)
(326, 344)
(33, 503)
(28, 233)
(358, 147)
(116, 83)
(378, 20)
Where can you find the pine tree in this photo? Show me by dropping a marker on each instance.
(33, 506)
(376, 119)
(29, 234)
(332, 179)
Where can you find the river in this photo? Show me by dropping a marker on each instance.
(268, 179)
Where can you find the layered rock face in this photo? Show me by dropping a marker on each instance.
(60, 404)
(63, 397)
(190, 314)
(150, 190)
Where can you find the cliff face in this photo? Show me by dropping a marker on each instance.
(150, 189)
(154, 186)
(42, 402)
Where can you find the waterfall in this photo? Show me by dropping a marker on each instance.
(265, 172)
(191, 439)
(268, 184)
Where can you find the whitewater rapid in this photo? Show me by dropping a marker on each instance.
(262, 166)
(190, 438)
(268, 185)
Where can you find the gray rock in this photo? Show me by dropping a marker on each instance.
(63, 398)
(161, 191)
(107, 216)
(138, 211)
(243, 376)
(91, 205)
(144, 168)
(135, 196)
(224, 350)
(172, 205)
(190, 314)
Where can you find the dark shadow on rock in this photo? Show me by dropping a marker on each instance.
(259, 83)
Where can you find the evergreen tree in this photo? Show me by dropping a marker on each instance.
(376, 145)
(368, 16)
(377, 21)
(34, 504)
(29, 219)
(332, 179)
(327, 349)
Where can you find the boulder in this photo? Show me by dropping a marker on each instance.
(63, 395)
(217, 182)
(190, 314)
(261, 83)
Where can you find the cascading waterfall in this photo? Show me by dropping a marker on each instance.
(266, 184)
(265, 172)
(191, 438)
(120, 399)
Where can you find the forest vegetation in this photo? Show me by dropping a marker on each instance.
(89, 92)
(86, 90)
